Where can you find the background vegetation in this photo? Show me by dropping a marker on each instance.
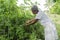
(13, 17)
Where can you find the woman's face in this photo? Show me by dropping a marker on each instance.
(34, 12)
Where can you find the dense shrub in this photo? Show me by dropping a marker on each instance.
(12, 19)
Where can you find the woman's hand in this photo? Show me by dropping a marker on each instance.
(29, 22)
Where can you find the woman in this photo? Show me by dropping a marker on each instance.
(49, 27)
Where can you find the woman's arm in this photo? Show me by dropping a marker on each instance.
(32, 21)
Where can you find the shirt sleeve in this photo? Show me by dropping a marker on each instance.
(38, 15)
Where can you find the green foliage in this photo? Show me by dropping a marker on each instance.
(56, 8)
(11, 20)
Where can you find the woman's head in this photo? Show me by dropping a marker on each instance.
(34, 9)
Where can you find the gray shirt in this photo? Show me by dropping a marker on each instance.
(43, 18)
